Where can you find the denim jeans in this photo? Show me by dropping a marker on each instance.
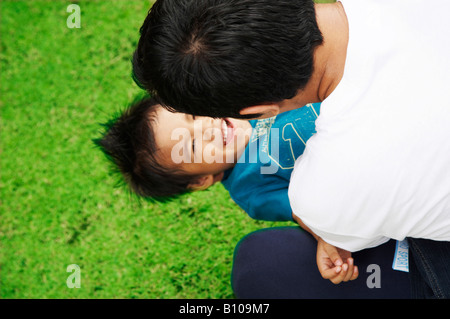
(280, 263)
(429, 267)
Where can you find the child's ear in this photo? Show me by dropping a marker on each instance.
(204, 182)
(201, 183)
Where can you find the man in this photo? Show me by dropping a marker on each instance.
(379, 165)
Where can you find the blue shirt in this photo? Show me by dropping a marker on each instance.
(259, 181)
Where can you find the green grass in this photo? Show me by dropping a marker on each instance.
(59, 200)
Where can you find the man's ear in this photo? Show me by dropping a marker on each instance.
(204, 182)
(264, 110)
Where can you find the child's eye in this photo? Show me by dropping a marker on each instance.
(193, 146)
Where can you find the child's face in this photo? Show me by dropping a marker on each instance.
(200, 145)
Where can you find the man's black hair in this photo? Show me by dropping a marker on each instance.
(129, 142)
(216, 57)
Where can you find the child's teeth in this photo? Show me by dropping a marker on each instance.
(225, 131)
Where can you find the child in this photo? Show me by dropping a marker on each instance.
(163, 154)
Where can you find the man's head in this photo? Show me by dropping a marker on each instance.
(163, 154)
(217, 57)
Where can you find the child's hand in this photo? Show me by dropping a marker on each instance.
(330, 261)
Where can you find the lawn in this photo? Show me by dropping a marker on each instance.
(60, 203)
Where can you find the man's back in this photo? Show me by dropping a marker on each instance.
(379, 165)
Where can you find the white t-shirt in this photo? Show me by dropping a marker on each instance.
(379, 165)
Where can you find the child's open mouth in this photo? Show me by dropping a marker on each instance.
(227, 131)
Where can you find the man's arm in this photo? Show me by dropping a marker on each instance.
(302, 225)
(330, 259)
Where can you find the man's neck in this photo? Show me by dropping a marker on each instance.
(329, 58)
